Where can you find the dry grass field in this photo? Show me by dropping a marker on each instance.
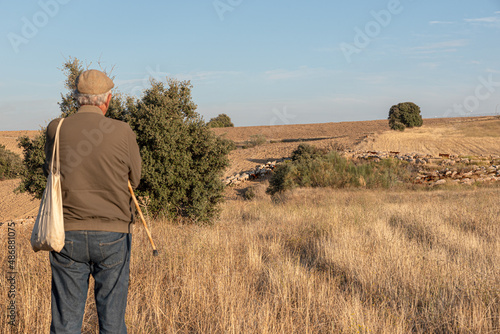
(479, 137)
(315, 261)
(311, 260)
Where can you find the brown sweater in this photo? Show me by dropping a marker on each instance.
(98, 156)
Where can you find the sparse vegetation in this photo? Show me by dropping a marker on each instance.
(404, 115)
(255, 140)
(11, 165)
(311, 167)
(221, 121)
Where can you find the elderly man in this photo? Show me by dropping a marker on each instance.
(98, 156)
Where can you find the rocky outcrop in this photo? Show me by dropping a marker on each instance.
(432, 170)
(445, 168)
(258, 172)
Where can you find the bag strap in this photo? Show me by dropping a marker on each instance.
(55, 149)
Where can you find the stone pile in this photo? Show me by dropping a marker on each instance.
(450, 168)
(258, 172)
(445, 168)
(455, 175)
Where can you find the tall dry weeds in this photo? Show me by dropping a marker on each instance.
(315, 261)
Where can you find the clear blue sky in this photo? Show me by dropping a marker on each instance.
(260, 62)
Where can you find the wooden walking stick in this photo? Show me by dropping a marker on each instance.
(155, 252)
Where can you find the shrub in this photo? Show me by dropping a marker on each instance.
(249, 194)
(32, 179)
(221, 121)
(306, 152)
(404, 115)
(333, 170)
(255, 140)
(182, 160)
(11, 165)
(283, 178)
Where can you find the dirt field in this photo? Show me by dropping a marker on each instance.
(15, 206)
(464, 136)
(9, 139)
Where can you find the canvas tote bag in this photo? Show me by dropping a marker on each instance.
(48, 231)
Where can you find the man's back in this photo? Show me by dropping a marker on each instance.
(98, 155)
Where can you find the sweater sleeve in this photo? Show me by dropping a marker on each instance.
(135, 160)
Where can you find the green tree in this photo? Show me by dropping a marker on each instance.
(183, 160)
(221, 121)
(403, 115)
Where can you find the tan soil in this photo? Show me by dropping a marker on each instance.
(474, 135)
(13, 205)
(9, 139)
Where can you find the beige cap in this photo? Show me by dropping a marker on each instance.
(93, 82)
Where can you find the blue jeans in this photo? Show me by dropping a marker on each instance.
(105, 255)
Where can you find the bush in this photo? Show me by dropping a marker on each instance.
(33, 180)
(306, 152)
(182, 160)
(11, 165)
(249, 194)
(404, 115)
(221, 121)
(255, 140)
(333, 170)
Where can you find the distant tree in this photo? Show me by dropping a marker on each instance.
(221, 121)
(403, 115)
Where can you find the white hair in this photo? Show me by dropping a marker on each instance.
(90, 99)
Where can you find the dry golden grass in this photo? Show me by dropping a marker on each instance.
(461, 138)
(311, 261)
